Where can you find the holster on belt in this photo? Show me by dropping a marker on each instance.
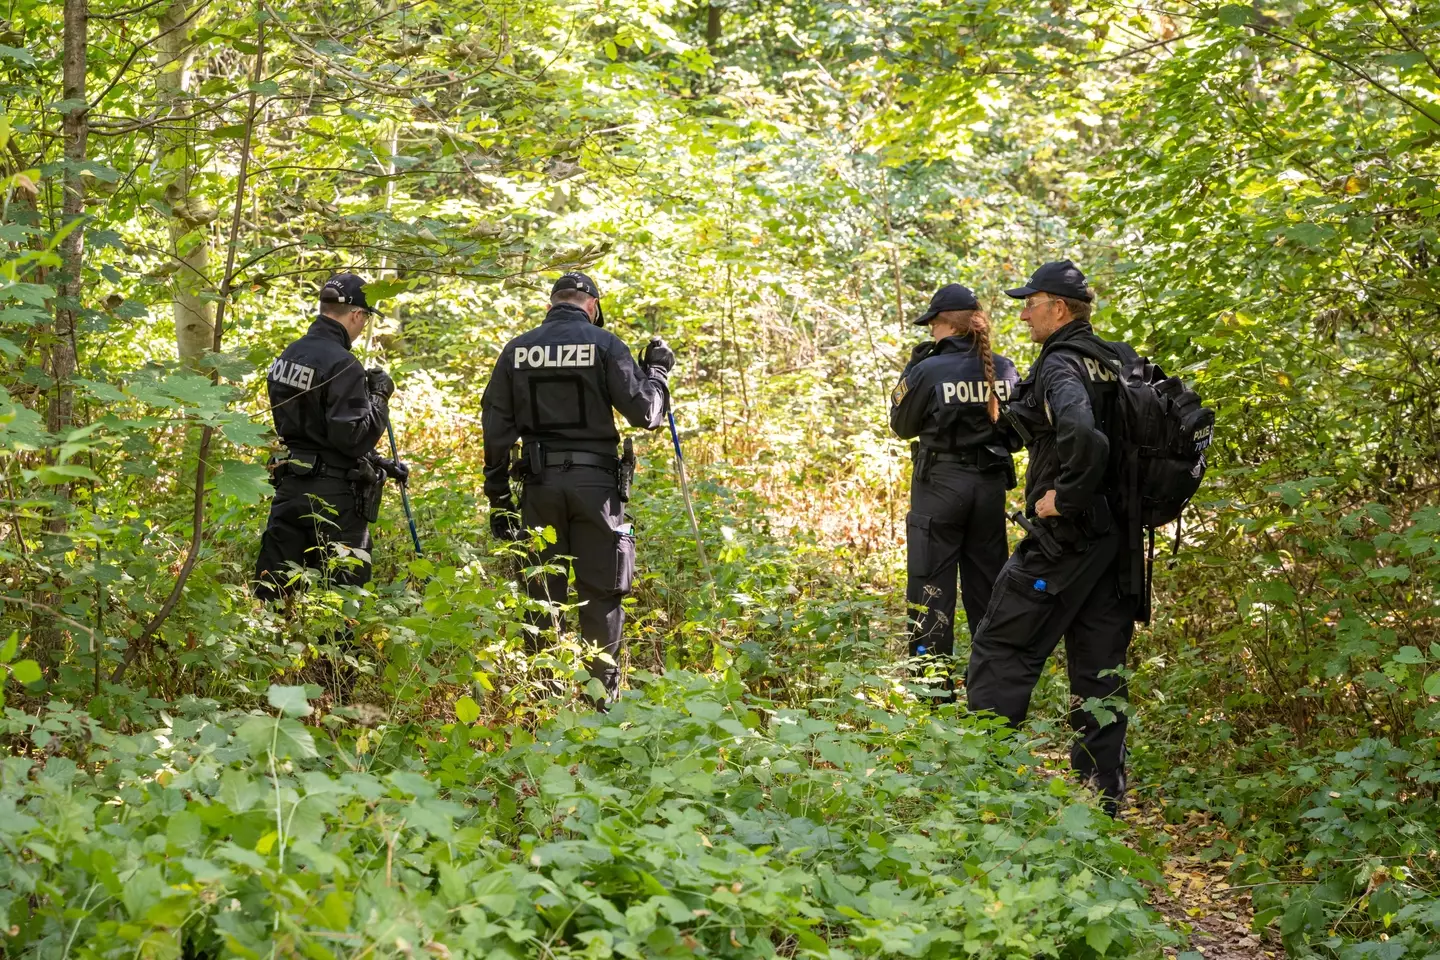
(923, 458)
(291, 463)
(369, 485)
(1040, 534)
(534, 457)
(625, 474)
(1026, 437)
(1005, 460)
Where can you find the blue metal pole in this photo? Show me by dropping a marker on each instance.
(404, 492)
(685, 487)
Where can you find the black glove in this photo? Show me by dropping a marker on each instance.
(658, 356)
(378, 382)
(504, 523)
(394, 469)
(922, 350)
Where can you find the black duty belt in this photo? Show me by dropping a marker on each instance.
(321, 470)
(969, 458)
(578, 458)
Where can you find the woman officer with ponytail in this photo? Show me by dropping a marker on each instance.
(949, 398)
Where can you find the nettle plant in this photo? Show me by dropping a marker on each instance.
(692, 818)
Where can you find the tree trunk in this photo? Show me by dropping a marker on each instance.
(61, 415)
(713, 14)
(207, 432)
(47, 640)
(190, 214)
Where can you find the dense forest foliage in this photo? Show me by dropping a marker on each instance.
(776, 189)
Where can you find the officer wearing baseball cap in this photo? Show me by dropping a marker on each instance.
(554, 389)
(1065, 577)
(949, 399)
(329, 413)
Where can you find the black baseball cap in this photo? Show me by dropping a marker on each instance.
(952, 296)
(346, 288)
(576, 280)
(1060, 277)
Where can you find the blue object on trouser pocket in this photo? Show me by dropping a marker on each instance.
(1040, 585)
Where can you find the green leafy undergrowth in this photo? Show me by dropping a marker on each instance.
(693, 819)
(1298, 733)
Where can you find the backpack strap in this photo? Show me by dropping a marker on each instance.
(1127, 468)
(1095, 349)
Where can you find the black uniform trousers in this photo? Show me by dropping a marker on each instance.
(956, 524)
(582, 504)
(1037, 601)
(307, 518)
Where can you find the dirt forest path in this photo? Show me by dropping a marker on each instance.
(1198, 901)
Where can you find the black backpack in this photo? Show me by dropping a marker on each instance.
(1158, 441)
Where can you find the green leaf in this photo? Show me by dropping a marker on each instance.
(556, 781)
(34, 294)
(1098, 936)
(1408, 654)
(131, 310)
(245, 432)
(383, 289)
(196, 391)
(246, 482)
(204, 871)
(66, 106)
(103, 392)
(288, 737)
(1233, 15)
(64, 472)
(8, 648)
(18, 55)
(703, 709)
(1432, 685)
(26, 671)
(290, 701)
(184, 830)
(240, 855)
(467, 710)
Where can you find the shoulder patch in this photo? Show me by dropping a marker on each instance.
(901, 388)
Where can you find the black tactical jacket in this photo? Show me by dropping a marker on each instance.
(319, 399)
(1064, 405)
(556, 385)
(943, 399)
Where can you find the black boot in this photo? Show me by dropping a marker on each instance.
(1111, 785)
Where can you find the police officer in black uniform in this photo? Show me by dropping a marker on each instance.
(949, 397)
(554, 388)
(329, 413)
(1067, 577)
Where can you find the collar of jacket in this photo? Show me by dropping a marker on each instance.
(960, 343)
(328, 329)
(561, 312)
(1071, 330)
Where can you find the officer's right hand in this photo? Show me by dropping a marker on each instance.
(658, 355)
(922, 350)
(378, 382)
(397, 470)
(504, 523)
